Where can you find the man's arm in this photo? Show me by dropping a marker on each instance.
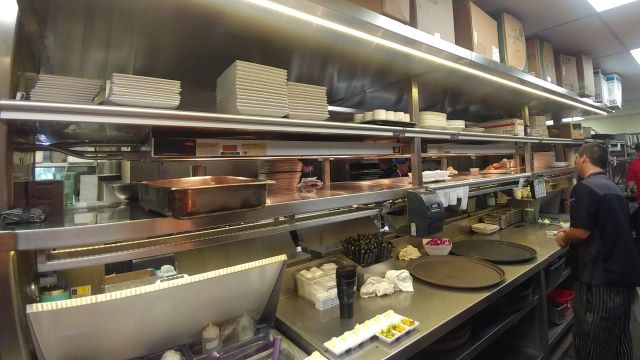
(572, 236)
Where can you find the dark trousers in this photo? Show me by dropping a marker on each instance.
(601, 322)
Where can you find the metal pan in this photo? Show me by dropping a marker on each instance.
(495, 251)
(203, 195)
(456, 272)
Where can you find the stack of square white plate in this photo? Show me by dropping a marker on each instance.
(455, 125)
(252, 89)
(66, 89)
(307, 102)
(133, 90)
(432, 120)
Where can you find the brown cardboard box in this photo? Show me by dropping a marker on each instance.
(48, 194)
(19, 194)
(540, 59)
(586, 82)
(504, 126)
(566, 131)
(434, 17)
(475, 30)
(567, 72)
(513, 47)
(46, 189)
(396, 9)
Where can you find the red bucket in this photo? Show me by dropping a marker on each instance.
(561, 297)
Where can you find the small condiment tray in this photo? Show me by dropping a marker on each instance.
(397, 325)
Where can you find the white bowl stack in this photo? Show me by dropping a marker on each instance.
(455, 125)
(252, 89)
(65, 89)
(307, 102)
(432, 120)
(143, 91)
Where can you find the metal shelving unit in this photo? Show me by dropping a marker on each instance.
(558, 331)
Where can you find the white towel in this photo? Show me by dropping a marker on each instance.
(401, 279)
(444, 198)
(375, 286)
(464, 196)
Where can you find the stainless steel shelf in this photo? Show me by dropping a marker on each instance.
(476, 180)
(556, 332)
(556, 172)
(471, 136)
(491, 330)
(130, 221)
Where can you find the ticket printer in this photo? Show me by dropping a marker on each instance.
(425, 212)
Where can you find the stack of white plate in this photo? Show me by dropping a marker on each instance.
(133, 90)
(67, 89)
(252, 89)
(432, 120)
(455, 125)
(307, 102)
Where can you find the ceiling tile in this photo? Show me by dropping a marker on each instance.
(589, 35)
(540, 14)
(623, 64)
(624, 22)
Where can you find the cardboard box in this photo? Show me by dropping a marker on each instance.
(567, 72)
(601, 87)
(566, 131)
(45, 189)
(513, 47)
(614, 87)
(475, 30)
(19, 194)
(504, 126)
(586, 84)
(538, 126)
(540, 60)
(435, 17)
(396, 9)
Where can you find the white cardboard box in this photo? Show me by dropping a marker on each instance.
(614, 86)
(436, 18)
(504, 126)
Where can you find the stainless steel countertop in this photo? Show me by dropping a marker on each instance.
(437, 309)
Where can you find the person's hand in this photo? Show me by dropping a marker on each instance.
(561, 238)
(633, 190)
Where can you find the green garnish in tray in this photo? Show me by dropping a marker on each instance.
(408, 322)
(398, 328)
(387, 333)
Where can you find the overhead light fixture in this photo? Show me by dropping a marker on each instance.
(408, 50)
(572, 119)
(636, 54)
(603, 5)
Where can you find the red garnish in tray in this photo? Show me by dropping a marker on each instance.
(438, 241)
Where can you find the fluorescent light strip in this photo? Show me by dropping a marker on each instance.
(603, 5)
(347, 30)
(636, 54)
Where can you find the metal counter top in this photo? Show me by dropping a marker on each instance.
(438, 309)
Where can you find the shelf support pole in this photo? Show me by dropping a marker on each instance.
(528, 156)
(326, 171)
(416, 142)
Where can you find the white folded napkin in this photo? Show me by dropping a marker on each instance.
(401, 279)
(375, 286)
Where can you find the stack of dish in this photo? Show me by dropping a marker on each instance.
(133, 90)
(286, 173)
(307, 102)
(252, 89)
(67, 89)
(432, 120)
(455, 125)
(474, 129)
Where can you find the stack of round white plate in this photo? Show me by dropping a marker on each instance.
(432, 120)
(143, 91)
(252, 89)
(307, 102)
(455, 125)
(67, 89)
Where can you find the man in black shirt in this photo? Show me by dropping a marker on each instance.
(604, 260)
